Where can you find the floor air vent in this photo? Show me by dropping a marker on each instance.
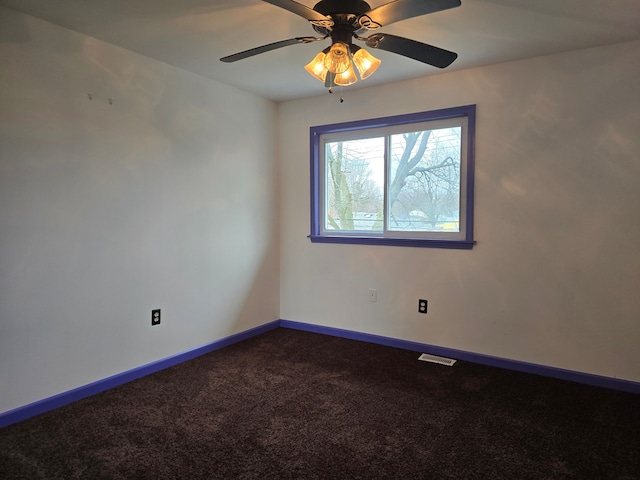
(425, 357)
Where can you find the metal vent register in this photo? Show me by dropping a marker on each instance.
(425, 357)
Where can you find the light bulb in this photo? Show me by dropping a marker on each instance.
(337, 60)
(365, 63)
(316, 67)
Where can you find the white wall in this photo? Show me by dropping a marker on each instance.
(554, 276)
(164, 199)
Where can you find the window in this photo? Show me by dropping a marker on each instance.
(405, 180)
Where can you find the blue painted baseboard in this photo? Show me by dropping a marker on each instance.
(579, 377)
(36, 408)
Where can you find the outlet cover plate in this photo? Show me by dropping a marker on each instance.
(422, 305)
(155, 316)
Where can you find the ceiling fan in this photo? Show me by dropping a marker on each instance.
(347, 20)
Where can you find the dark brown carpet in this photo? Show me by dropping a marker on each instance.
(298, 405)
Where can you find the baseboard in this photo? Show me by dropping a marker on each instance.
(36, 408)
(50, 403)
(559, 373)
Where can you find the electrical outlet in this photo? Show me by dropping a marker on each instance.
(373, 295)
(422, 306)
(155, 316)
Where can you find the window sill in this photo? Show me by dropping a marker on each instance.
(394, 242)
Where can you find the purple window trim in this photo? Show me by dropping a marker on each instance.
(393, 241)
(468, 111)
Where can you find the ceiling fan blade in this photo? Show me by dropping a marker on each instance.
(267, 48)
(310, 14)
(401, 10)
(422, 52)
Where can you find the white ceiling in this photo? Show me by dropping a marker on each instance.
(194, 34)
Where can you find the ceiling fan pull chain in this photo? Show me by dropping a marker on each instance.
(341, 97)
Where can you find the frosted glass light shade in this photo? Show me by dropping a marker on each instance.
(348, 77)
(338, 59)
(316, 67)
(365, 63)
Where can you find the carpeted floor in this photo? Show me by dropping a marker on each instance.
(298, 405)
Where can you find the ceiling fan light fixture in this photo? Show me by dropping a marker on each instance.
(338, 59)
(365, 62)
(316, 67)
(351, 56)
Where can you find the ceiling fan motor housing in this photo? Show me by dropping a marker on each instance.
(344, 15)
(332, 7)
(342, 33)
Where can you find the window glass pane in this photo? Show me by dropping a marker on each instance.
(424, 189)
(354, 191)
